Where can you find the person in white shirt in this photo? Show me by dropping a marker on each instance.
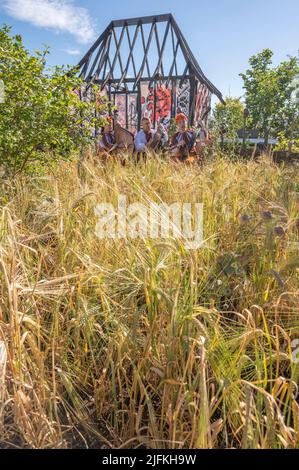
(145, 137)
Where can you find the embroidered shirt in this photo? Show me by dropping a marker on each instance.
(107, 139)
(141, 139)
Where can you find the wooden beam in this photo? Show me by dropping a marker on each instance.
(84, 69)
(143, 43)
(162, 48)
(145, 79)
(110, 73)
(145, 57)
(184, 75)
(142, 20)
(97, 59)
(101, 38)
(158, 46)
(174, 53)
(118, 45)
(103, 57)
(131, 45)
(106, 56)
(130, 53)
(174, 62)
(118, 53)
(192, 100)
(110, 67)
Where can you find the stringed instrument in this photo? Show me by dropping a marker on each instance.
(124, 139)
(181, 152)
(157, 139)
(194, 146)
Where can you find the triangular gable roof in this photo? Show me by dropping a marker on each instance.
(138, 48)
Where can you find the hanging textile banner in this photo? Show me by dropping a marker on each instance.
(132, 112)
(203, 102)
(163, 103)
(121, 106)
(102, 96)
(155, 102)
(183, 98)
(147, 101)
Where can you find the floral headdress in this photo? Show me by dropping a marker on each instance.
(180, 117)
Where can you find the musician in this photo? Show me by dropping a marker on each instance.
(107, 141)
(124, 139)
(182, 141)
(145, 137)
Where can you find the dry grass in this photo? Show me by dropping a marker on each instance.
(142, 342)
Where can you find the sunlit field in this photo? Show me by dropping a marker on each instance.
(141, 342)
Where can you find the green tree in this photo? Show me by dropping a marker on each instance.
(288, 120)
(228, 117)
(42, 118)
(268, 93)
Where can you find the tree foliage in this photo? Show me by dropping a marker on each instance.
(228, 117)
(42, 118)
(268, 94)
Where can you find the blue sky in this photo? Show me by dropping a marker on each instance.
(222, 34)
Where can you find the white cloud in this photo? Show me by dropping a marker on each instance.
(59, 15)
(72, 51)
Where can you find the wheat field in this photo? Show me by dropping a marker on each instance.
(143, 343)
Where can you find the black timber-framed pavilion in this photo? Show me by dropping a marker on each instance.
(145, 67)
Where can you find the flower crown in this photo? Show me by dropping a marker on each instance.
(180, 117)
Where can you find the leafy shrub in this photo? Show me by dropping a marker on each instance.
(269, 94)
(228, 116)
(42, 118)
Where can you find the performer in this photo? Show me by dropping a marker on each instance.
(124, 139)
(182, 141)
(107, 141)
(145, 137)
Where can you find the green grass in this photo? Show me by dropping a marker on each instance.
(129, 343)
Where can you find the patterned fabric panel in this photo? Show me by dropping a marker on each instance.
(120, 103)
(203, 102)
(132, 113)
(183, 98)
(147, 101)
(163, 102)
